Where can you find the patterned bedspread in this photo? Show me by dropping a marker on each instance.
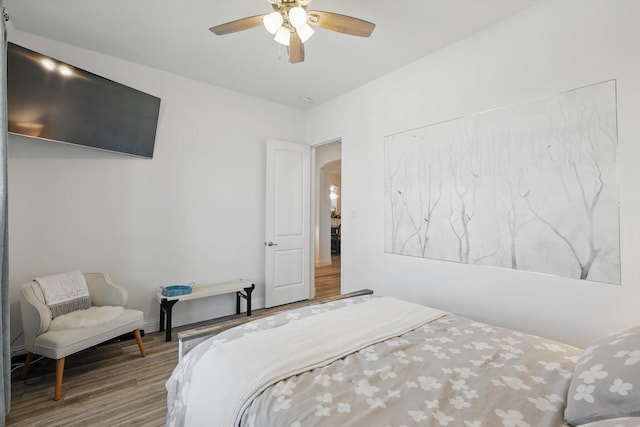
(449, 372)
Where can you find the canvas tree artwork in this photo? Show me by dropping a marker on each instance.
(531, 187)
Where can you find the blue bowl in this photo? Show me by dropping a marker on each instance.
(176, 290)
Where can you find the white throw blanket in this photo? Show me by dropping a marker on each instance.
(89, 318)
(242, 368)
(65, 292)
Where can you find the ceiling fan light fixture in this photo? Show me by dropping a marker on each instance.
(305, 32)
(283, 35)
(272, 22)
(290, 23)
(298, 16)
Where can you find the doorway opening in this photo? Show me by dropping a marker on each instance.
(328, 214)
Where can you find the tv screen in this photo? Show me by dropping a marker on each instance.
(56, 101)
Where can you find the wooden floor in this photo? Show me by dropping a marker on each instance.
(112, 385)
(328, 278)
(108, 386)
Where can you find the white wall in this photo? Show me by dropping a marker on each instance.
(550, 48)
(195, 212)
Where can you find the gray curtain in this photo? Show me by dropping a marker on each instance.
(5, 341)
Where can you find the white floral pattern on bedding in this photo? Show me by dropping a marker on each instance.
(606, 382)
(450, 372)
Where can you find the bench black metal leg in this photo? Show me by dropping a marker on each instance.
(247, 296)
(165, 311)
(162, 314)
(249, 291)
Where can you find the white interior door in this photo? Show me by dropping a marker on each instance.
(287, 231)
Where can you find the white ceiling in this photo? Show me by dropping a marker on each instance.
(173, 35)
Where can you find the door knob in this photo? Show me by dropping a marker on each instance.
(272, 244)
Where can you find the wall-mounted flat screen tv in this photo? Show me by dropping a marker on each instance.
(52, 100)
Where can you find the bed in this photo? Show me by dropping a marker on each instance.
(380, 361)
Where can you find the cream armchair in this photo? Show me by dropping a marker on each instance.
(57, 344)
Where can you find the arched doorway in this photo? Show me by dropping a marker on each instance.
(328, 225)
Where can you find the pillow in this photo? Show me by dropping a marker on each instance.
(615, 422)
(64, 293)
(606, 380)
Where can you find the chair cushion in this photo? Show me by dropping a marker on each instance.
(89, 318)
(61, 343)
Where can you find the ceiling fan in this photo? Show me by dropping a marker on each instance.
(290, 23)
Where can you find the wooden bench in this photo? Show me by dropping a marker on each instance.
(242, 288)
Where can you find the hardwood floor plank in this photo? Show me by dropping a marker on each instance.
(327, 278)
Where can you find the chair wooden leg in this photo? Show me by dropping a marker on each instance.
(139, 341)
(27, 365)
(59, 372)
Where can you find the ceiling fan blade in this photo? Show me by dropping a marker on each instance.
(237, 25)
(341, 23)
(296, 48)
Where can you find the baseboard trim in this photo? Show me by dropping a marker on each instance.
(18, 350)
(190, 317)
(323, 262)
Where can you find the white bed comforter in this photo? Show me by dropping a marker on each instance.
(245, 366)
